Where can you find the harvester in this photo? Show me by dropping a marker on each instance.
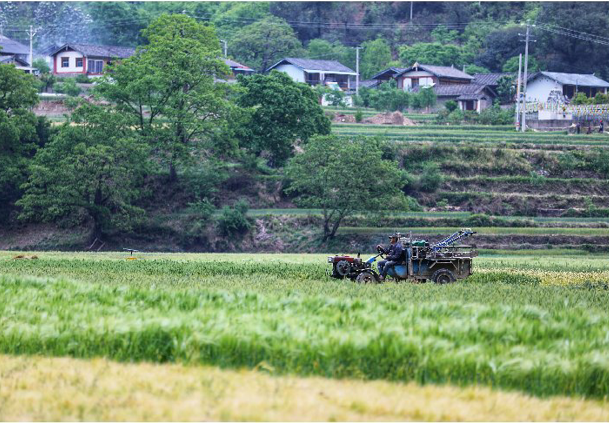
(442, 262)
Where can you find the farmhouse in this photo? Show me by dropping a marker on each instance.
(473, 97)
(316, 72)
(426, 75)
(492, 79)
(540, 84)
(237, 68)
(73, 59)
(15, 53)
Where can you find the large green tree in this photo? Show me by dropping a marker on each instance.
(169, 88)
(263, 43)
(18, 135)
(344, 176)
(282, 112)
(91, 169)
(376, 55)
(431, 54)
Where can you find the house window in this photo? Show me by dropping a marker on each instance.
(65, 62)
(414, 82)
(79, 62)
(95, 66)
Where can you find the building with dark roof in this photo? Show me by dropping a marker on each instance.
(473, 97)
(540, 84)
(11, 47)
(431, 75)
(237, 68)
(315, 72)
(73, 59)
(492, 79)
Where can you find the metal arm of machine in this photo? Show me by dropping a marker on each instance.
(449, 240)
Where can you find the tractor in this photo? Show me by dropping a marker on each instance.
(442, 262)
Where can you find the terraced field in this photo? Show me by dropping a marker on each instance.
(528, 325)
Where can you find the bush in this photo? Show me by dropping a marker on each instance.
(455, 117)
(69, 87)
(233, 221)
(82, 79)
(451, 105)
(431, 178)
(581, 98)
(359, 116)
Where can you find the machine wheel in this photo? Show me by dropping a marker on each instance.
(343, 268)
(366, 277)
(443, 276)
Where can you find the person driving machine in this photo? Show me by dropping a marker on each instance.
(393, 255)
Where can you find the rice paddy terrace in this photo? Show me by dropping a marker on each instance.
(90, 336)
(519, 178)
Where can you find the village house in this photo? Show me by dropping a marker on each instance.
(469, 97)
(15, 53)
(74, 59)
(430, 75)
(540, 84)
(316, 72)
(492, 79)
(237, 68)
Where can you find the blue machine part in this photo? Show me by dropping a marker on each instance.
(452, 239)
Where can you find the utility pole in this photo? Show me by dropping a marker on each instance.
(357, 70)
(518, 89)
(225, 48)
(524, 87)
(31, 34)
(411, 4)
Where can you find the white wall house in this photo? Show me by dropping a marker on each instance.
(73, 59)
(540, 84)
(316, 72)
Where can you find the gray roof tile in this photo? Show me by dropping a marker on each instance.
(491, 78)
(12, 47)
(581, 79)
(441, 71)
(318, 65)
(99, 51)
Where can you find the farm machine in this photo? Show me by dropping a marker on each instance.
(442, 262)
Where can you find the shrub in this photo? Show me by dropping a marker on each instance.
(68, 86)
(82, 79)
(451, 105)
(359, 116)
(233, 221)
(431, 178)
(455, 117)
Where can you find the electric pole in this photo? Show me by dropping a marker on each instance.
(357, 70)
(225, 48)
(518, 89)
(524, 85)
(411, 4)
(31, 33)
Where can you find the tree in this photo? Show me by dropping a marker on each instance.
(93, 168)
(263, 43)
(582, 98)
(442, 35)
(511, 65)
(427, 97)
(473, 69)
(506, 88)
(375, 57)
(499, 46)
(431, 53)
(342, 177)
(168, 88)
(18, 132)
(283, 111)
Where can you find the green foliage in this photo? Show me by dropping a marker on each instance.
(82, 79)
(324, 50)
(343, 177)
(359, 115)
(473, 69)
(233, 221)
(601, 98)
(387, 98)
(42, 66)
(506, 88)
(451, 105)
(168, 89)
(336, 98)
(68, 86)
(92, 168)
(283, 111)
(19, 132)
(429, 180)
(496, 116)
(442, 35)
(456, 117)
(263, 43)
(375, 57)
(511, 65)
(431, 53)
(582, 98)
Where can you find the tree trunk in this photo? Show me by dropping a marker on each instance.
(173, 174)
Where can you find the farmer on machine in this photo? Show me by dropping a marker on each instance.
(394, 256)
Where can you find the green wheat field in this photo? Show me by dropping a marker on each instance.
(537, 326)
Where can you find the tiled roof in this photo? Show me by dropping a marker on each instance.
(12, 47)
(316, 65)
(369, 83)
(99, 51)
(13, 59)
(580, 79)
(440, 71)
(236, 65)
(456, 90)
(490, 78)
(395, 71)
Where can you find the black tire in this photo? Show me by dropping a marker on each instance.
(366, 277)
(443, 276)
